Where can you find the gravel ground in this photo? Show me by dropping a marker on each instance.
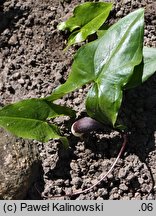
(32, 64)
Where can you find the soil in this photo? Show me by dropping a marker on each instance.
(32, 64)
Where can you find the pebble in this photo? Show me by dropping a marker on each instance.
(122, 173)
(99, 198)
(146, 188)
(21, 81)
(137, 196)
(29, 32)
(123, 187)
(16, 75)
(119, 13)
(102, 192)
(6, 32)
(77, 182)
(74, 166)
(67, 182)
(140, 180)
(13, 40)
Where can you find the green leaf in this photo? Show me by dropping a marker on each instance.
(28, 119)
(124, 52)
(144, 70)
(82, 71)
(100, 33)
(108, 62)
(87, 19)
(149, 62)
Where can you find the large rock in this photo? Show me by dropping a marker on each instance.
(19, 166)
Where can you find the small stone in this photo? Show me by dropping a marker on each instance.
(146, 188)
(140, 180)
(110, 176)
(130, 176)
(102, 192)
(150, 197)
(67, 182)
(116, 196)
(153, 38)
(137, 196)
(119, 13)
(6, 32)
(13, 40)
(146, 32)
(74, 166)
(130, 195)
(123, 187)
(99, 198)
(92, 167)
(29, 32)
(122, 173)
(21, 81)
(21, 50)
(77, 182)
(16, 75)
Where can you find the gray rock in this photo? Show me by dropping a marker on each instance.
(102, 192)
(123, 187)
(119, 13)
(19, 166)
(7, 32)
(77, 181)
(21, 81)
(29, 32)
(16, 75)
(13, 40)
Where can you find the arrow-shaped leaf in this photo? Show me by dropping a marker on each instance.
(28, 119)
(149, 62)
(108, 62)
(123, 53)
(87, 19)
(145, 69)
